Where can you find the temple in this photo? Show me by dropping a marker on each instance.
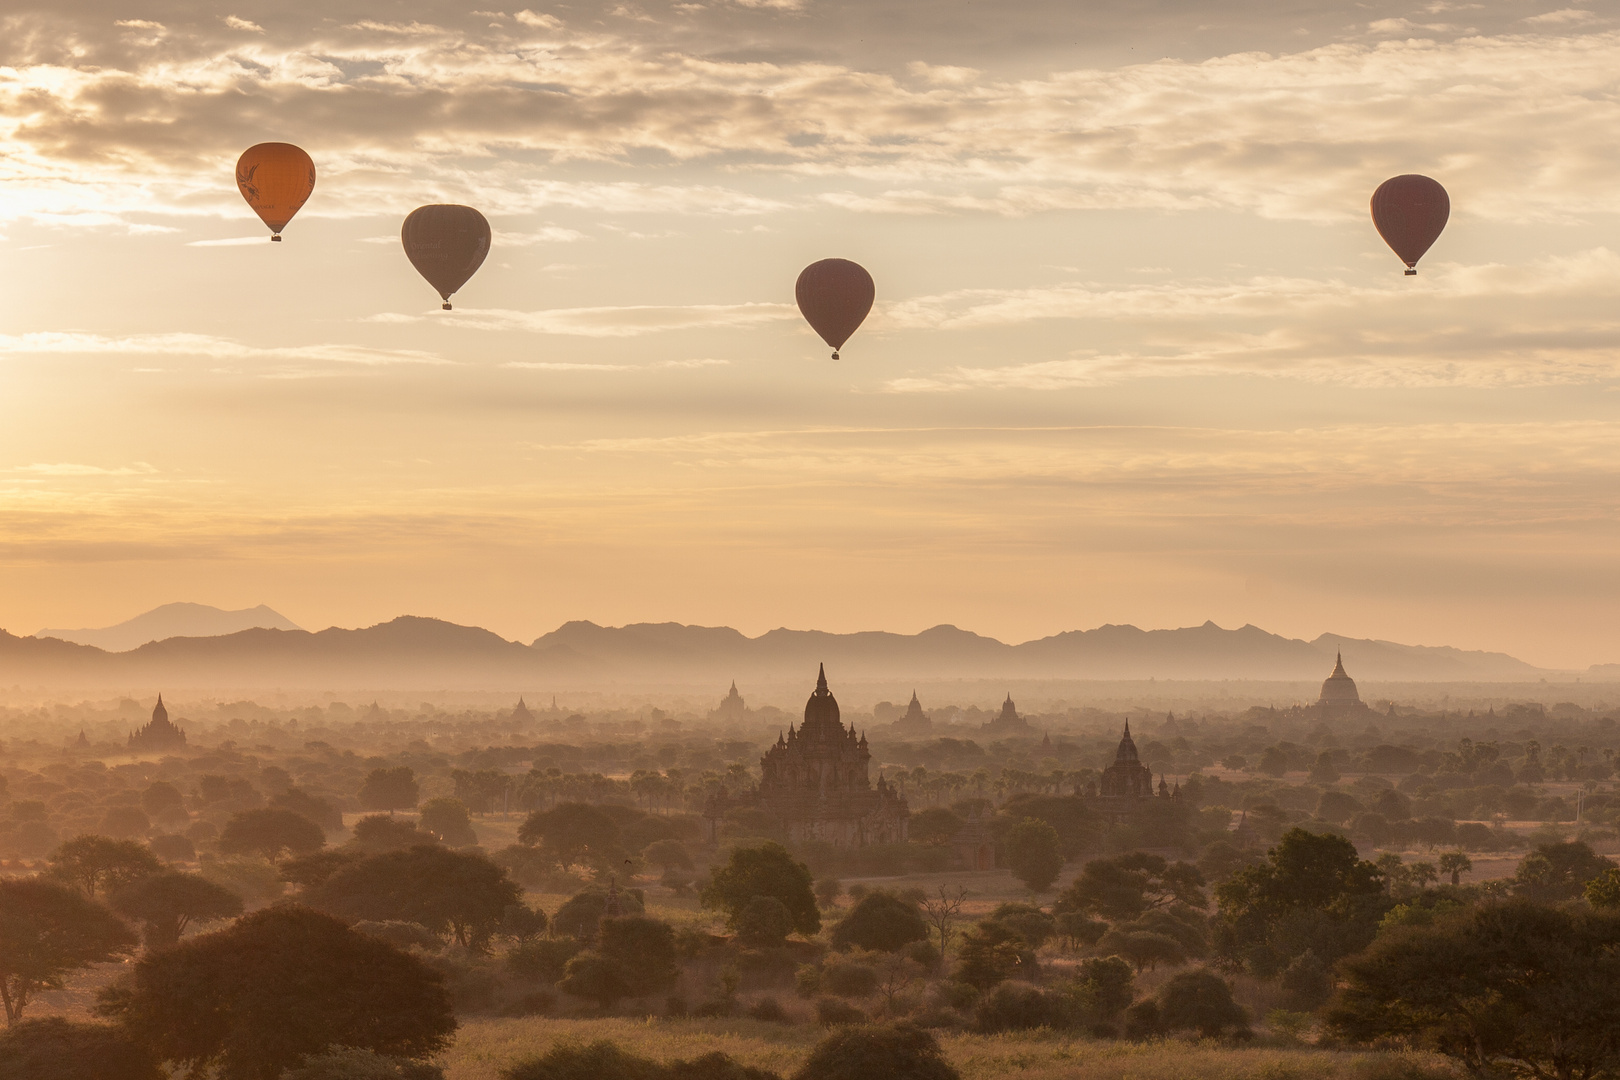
(816, 781)
(159, 733)
(521, 714)
(1126, 786)
(1009, 722)
(1339, 695)
(915, 721)
(732, 707)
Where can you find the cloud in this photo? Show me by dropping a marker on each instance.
(236, 23)
(140, 468)
(217, 348)
(613, 322)
(237, 241)
(1561, 17)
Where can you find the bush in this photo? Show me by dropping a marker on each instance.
(848, 979)
(1021, 1008)
(1027, 921)
(881, 921)
(1307, 983)
(605, 1061)
(1142, 1021)
(764, 922)
(349, 1063)
(831, 1011)
(1202, 1001)
(56, 1049)
(768, 1008)
(580, 913)
(897, 1052)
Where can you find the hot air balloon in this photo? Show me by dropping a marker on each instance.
(834, 295)
(447, 244)
(276, 178)
(1410, 211)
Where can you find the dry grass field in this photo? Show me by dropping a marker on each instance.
(484, 1047)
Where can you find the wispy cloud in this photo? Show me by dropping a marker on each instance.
(611, 322)
(217, 348)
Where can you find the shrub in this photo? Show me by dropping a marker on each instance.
(57, 1049)
(1202, 1001)
(1021, 1008)
(848, 979)
(1307, 982)
(400, 934)
(765, 921)
(350, 1063)
(898, 1052)
(768, 1008)
(881, 921)
(831, 1011)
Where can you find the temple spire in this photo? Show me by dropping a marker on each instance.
(821, 678)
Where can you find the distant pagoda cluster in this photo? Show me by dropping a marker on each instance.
(159, 733)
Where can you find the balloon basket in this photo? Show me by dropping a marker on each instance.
(1411, 273)
(446, 306)
(835, 356)
(276, 239)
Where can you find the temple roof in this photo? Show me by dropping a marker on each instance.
(821, 716)
(1126, 754)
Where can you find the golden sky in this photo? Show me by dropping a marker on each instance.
(1137, 356)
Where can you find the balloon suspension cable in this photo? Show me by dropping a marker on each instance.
(275, 238)
(1411, 273)
(447, 305)
(835, 354)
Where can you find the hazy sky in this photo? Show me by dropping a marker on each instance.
(1138, 354)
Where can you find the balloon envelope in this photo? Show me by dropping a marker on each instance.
(1409, 212)
(447, 244)
(834, 296)
(276, 179)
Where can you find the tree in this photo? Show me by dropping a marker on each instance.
(767, 870)
(669, 854)
(54, 1048)
(1312, 892)
(581, 913)
(270, 834)
(592, 975)
(1555, 872)
(376, 833)
(162, 797)
(572, 834)
(1143, 948)
(1513, 989)
(1202, 1001)
(605, 1061)
(1455, 863)
(935, 825)
(990, 953)
(882, 922)
(634, 957)
(1032, 852)
(167, 903)
(860, 1052)
(46, 931)
(942, 910)
(390, 789)
(1603, 891)
(448, 820)
(459, 893)
(1102, 988)
(99, 864)
(275, 987)
(1126, 885)
(765, 922)
(318, 810)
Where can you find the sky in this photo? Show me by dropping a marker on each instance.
(1138, 355)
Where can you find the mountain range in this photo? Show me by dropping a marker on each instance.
(421, 653)
(174, 620)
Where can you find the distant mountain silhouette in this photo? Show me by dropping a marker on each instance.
(421, 653)
(173, 620)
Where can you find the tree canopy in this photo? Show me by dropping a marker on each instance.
(448, 820)
(46, 931)
(1558, 871)
(167, 903)
(1033, 853)
(278, 985)
(459, 893)
(572, 833)
(899, 1052)
(271, 834)
(881, 921)
(1125, 886)
(54, 1048)
(1512, 989)
(390, 789)
(767, 870)
(100, 864)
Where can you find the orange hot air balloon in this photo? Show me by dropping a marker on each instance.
(1409, 212)
(447, 244)
(834, 296)
(276, 179)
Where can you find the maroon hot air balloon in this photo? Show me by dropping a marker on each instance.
(447, 244)
(1410, 211)
(834, 295)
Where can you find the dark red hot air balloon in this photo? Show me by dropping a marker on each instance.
(447, 244)
(1409, 212)
(834, 295)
